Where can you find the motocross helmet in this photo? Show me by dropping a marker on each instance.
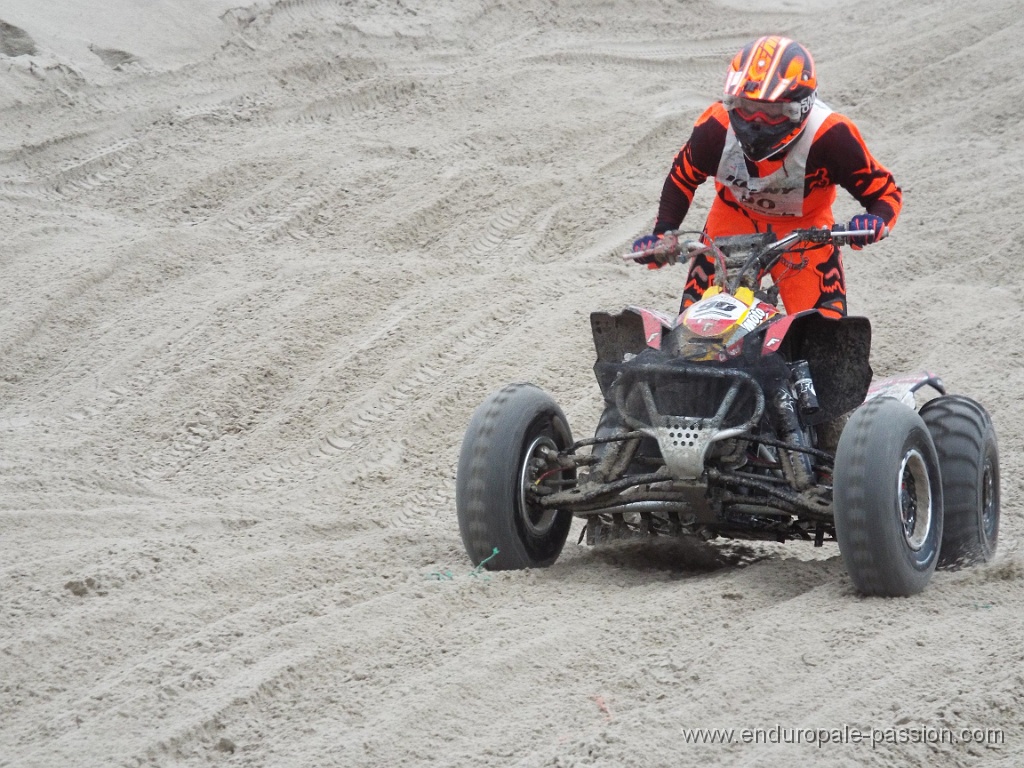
(769, 91)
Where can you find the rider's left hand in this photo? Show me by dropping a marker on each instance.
(866, 222)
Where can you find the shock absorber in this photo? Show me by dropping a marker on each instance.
(806, 397)
(796, 465)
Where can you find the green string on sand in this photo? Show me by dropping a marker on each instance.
(447, 575)
(480, 566)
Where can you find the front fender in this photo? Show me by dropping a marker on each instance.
(838, 351)
(619, 334)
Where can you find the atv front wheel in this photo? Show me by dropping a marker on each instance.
(965, 441)
(888, 499)
(506, 458)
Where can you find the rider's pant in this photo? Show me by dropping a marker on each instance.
(812, 278)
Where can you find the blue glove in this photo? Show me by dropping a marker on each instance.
(866, 222)
(643, 244)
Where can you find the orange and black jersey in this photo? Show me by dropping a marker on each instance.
(837, 156)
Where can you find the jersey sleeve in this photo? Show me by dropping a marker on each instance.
(852, 166)
(693, 164)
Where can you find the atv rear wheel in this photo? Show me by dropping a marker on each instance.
(965, 441)
(888, 499)
(507, 453)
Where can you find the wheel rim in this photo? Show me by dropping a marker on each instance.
(915, 495)
(989, 510)
(537, 520)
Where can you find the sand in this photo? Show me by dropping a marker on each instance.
(259, 265)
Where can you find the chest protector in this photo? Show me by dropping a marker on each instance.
(780, 193)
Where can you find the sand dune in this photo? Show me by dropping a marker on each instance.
(259, 266)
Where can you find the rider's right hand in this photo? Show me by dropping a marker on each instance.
(646, 243)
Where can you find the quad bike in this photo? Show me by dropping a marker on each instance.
(737, 420)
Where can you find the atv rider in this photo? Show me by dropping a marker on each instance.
(777, 154)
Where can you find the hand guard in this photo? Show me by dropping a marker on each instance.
(872, 226)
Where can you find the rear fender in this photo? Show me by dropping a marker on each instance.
(904, 385)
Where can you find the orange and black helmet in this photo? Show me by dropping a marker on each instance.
(769, 91)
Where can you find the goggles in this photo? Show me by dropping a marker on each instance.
(770, 112)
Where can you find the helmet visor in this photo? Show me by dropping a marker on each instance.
(769, 112)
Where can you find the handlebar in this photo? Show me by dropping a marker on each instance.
(743, 259)
(840, 235)
(671, 245)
